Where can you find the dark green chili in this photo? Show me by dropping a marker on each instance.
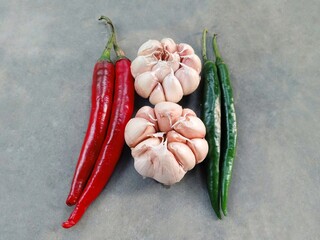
(228, 118)
(212, 119)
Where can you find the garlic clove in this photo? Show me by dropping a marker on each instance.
(144, 165)
(167, 169)
(184, 49)
(167, 114)
(189, 79)
(152, 159)
(145, 83)
(173, 136)
(144, 146)
(150, 47)
(183, 155)
(136, 130)
(157, 95)
(169, 45)
(174, 61)
(191, 127)
(142, 64)
(188, 112)
(172, 88)
(147, 113)
(161, 69)
(192, 61)
(199, 147)
(143, 157)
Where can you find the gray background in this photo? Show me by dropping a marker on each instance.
(47, 53)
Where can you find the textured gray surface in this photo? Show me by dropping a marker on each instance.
(47, 51)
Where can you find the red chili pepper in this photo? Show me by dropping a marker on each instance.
(102, 93)
(122, 109)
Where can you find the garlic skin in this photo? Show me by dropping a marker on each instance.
(157, 95)
(147, 113)
(192, 61)
(174, 61)
(190, 127)
(145, 83)
(184, 49)
(188, 78)
(183, 155)
(137, 129)
(142, 64)
(172, 88)
(162, 59)
(199, 147)
(150, 47)
(169, 45)
(167, 113)
(188, 112)
(161, 69)
(166, 141)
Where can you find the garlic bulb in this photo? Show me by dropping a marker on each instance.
(165, 71)
(166, 141)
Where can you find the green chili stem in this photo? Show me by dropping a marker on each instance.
(204, 45)
(117, 49)
(216, 49)
(107, 50)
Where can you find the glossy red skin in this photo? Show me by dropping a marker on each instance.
(122, 110)
(101, 103)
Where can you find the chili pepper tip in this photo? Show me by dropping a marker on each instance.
(225, 212)
(71, 200)
(68, 224)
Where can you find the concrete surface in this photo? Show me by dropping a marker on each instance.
(47, 51)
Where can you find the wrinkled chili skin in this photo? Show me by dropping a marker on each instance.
(122, 109)
(229, 127)
(212, 120)
(101, 101)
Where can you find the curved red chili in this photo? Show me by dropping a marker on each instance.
(122, 109)
(102, 93)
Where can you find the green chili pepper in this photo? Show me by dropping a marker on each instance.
(212, 120)
(229, 134)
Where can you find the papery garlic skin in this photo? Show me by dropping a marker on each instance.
(145, 83)
(169, 45)
(150, 47)
(167, 113)
(188, 78)
(157, 95)
(192, 61)
(161, 69)
(184, 49)
(183, 155)
(142, 64)
(162, 59)
(147, 113)
(137, 129)
(172, 88)
(166, 141)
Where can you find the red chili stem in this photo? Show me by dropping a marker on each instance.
(119, 52)
(101, 101)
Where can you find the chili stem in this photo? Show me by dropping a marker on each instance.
(107, 50)
(216, 49)
(204, 45)
(119, 52)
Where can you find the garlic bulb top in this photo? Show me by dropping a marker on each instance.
(165, 71)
